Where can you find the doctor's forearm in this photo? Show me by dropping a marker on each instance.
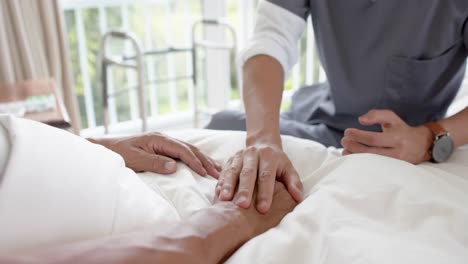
(457, 126)
(263, 89)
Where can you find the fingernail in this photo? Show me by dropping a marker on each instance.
(225, 194)
(262, 206)
(204, 172)
(300, 196)
(299, 187)
(170, 166)
(241, 201)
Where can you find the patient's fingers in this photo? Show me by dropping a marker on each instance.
(208, 163)
(144, 161)
(229, 177)
(175, 149)
(247, 178)
(266, 182)
(218, 167)
(220, 183)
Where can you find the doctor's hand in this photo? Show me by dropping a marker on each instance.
(158, 153)
(398, 139)
(256, 169)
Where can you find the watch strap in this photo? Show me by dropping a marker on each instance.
(436, 129)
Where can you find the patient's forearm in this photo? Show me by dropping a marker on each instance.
(208, 236)
(224, 229)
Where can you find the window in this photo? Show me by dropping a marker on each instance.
(160, 24)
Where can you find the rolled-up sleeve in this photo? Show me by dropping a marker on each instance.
(278, 29)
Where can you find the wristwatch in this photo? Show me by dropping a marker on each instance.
(442, 146)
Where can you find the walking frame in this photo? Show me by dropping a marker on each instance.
(136, 62)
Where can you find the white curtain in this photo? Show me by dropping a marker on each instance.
(33, 46)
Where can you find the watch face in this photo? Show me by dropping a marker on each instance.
(443, 149)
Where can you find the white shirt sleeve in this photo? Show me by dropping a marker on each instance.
(276, 34)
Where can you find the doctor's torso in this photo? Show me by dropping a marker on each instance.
(403, 55)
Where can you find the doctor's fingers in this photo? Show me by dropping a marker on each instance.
(229, 177)
(346, 152)
(293, 183)
(373, 139)
(383, 117)
(268, 167)
(247, 178)
(358, 148)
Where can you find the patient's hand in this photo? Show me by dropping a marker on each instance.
(233, 226)
(156, 152)
(283, 203)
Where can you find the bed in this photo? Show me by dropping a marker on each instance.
(358, 209)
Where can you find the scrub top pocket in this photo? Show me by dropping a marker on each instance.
(418, 86)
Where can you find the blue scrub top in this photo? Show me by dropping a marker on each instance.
(403, 55)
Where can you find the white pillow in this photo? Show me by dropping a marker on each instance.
(60, 188)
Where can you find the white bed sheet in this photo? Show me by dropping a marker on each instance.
(358, 209)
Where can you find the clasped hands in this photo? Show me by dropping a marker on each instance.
(256, 169)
